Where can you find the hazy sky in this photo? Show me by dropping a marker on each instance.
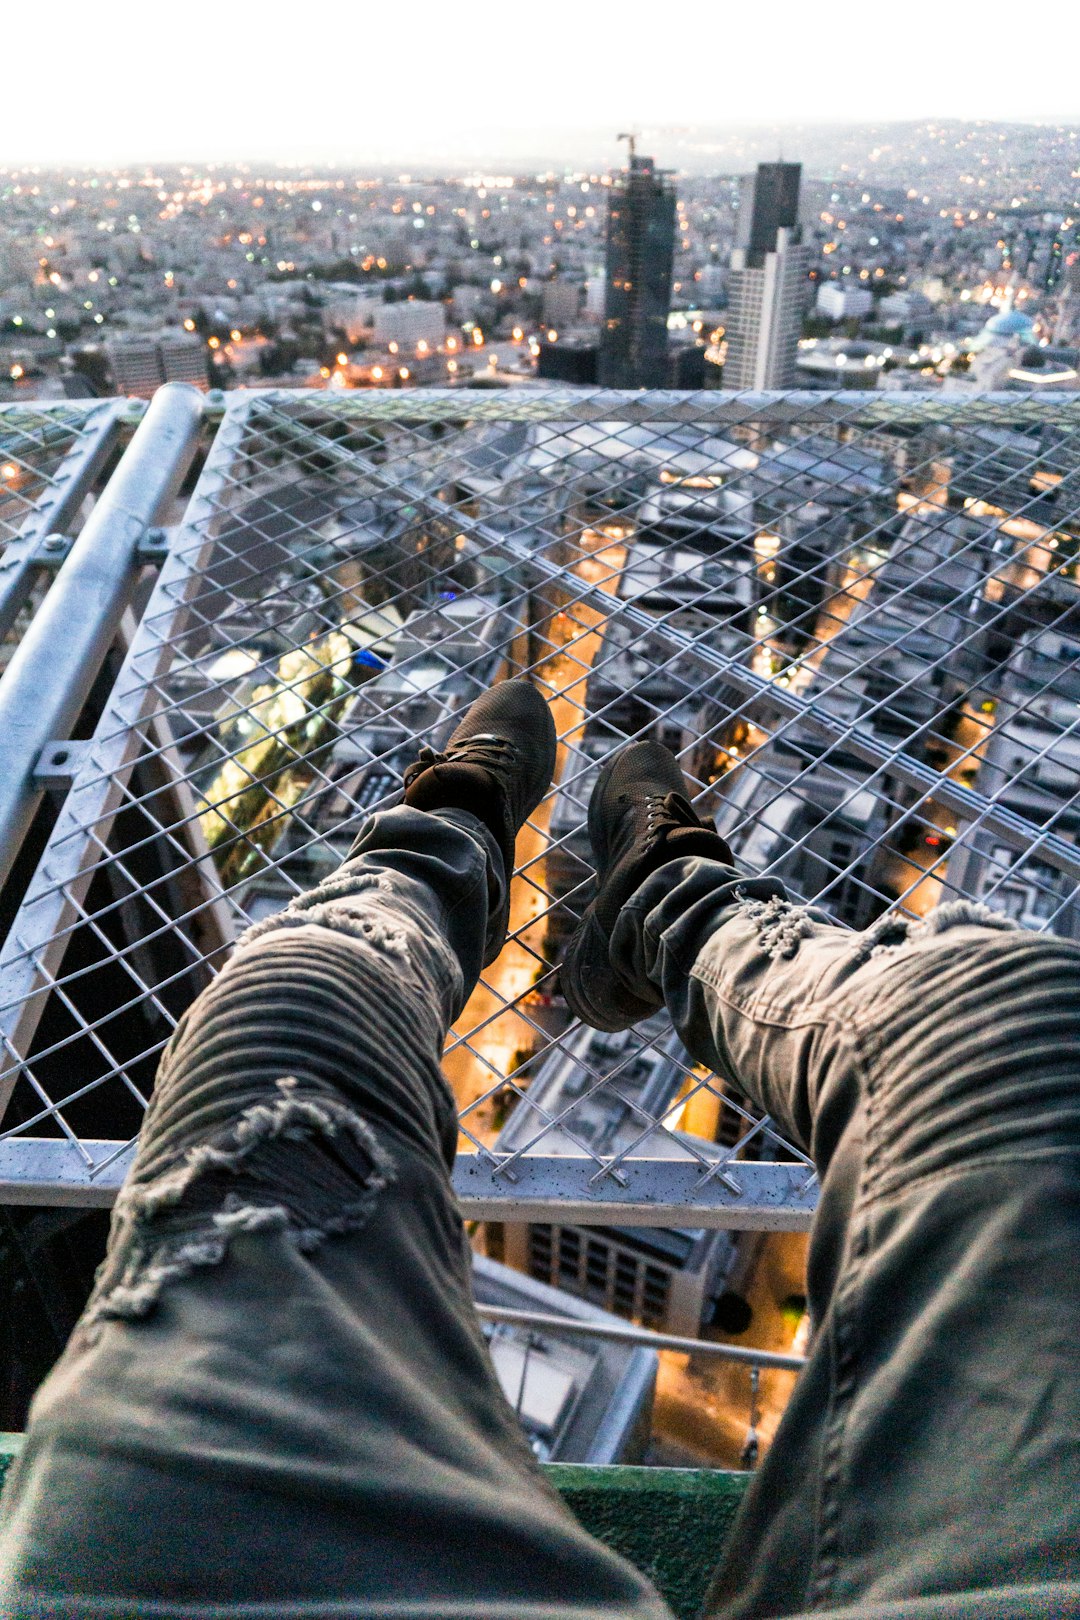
(418, 81)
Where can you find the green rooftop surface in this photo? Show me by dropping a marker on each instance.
(672, 1523)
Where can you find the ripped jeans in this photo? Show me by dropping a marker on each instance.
(278, 1401)
(931, 1449)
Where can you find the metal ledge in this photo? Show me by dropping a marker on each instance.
(657, 1192)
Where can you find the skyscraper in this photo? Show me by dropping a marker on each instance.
(768, 286)
(640, 255)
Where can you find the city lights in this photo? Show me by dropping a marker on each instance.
(309, 263)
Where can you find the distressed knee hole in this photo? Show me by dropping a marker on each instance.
(960, 914)
(780, 925)
(301, 1163)
(347, 904)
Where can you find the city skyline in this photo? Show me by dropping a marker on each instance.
(228, 87)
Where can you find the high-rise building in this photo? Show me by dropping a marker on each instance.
(640, 256)
(183, 359)
(770, 206)
(141, 365)
(768, 285)
(1067, 329)
(136, 367)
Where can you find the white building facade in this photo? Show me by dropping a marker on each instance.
(765, 312)
(840, 303)
(410, 324)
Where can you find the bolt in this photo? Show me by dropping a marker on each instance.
(54, 542)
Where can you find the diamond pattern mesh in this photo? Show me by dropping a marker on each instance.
(48, 454)
(854, 618)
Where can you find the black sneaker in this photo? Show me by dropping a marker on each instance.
(498, 764)
(640, 817)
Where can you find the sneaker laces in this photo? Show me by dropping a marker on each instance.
(484, 749)
(667, 811)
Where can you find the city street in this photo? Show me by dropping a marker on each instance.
(702, 1406)
(491, 1037)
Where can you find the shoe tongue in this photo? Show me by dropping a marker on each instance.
(681, 811)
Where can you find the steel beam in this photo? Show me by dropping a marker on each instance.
(865, 408)
(58, 659)
(40, 544)
(38, 938)
(650, 1192)
(59, 1172)
(655, 1192)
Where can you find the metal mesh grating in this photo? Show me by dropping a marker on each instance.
(49, 455)
(855, 618)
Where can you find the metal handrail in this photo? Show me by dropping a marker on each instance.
(71, 634)
(627, 1333)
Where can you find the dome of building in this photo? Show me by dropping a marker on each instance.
(1010, 323)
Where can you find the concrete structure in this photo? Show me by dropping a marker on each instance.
(595, 293)
(140, 365)
(843, 362)
(996, 352)
(640, 256)
(904, 308)
(839, 302)
(1031, 762)
(409, 324)
(579, 1400)
(423, 672)
(561, 306)
(769, 205)
(351, 311)
(569, 360)
(667, 1280)
(807, 812)
(183, 359)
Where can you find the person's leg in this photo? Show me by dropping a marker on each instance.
(279, 1393)
(933, 1072)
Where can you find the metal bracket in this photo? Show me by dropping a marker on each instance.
(153, 548)
(51, 551)
(57, 764)
(29, 552)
